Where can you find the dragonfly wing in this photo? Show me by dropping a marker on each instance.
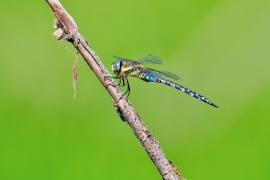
(118, 58)
(164, 73)
(150, 59)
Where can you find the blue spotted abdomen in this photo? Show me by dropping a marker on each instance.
(152, 78)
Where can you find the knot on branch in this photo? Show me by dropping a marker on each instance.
(62, 33)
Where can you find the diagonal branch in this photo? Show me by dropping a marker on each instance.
(66, 29)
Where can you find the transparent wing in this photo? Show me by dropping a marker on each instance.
(163, 73)
(150, 59)
(121, 58)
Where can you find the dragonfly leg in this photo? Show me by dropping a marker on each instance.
(123, 81)
(117, 77)
(110, 77)
(128, 87)
(113, 85)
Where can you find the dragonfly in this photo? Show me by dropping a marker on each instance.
(123, 68)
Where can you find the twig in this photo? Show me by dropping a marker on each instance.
(75, 74)
(66, 29)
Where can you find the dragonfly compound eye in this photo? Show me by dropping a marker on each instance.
(115, 69)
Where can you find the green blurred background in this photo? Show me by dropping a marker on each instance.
(219, 48)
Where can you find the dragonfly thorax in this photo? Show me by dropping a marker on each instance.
(116, 67)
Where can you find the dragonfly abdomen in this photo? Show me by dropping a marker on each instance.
(182, 88)
(148, 77)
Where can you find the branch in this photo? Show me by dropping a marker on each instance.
(66, 29)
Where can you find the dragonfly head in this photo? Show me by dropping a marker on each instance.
(116, 67)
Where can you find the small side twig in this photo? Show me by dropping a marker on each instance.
(66, 29)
